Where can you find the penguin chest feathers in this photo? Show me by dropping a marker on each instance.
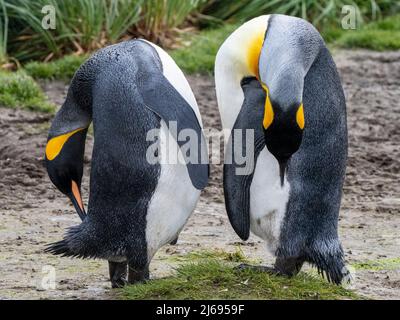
(268, 200)
(174, 198)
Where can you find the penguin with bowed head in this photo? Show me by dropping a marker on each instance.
(143, 187)
(275, 76)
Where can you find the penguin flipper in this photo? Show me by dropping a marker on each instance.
(238, 176)
(160, 96)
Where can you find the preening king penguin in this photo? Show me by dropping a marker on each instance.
(139, 199)
(275, 76)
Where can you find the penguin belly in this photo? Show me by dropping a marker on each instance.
(174, 198)
(268, 200)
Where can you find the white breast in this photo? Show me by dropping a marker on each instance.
(174, 198)
(231, 66)
(268, 200)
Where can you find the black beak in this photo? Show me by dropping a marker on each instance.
(81, 212)
(282, 169)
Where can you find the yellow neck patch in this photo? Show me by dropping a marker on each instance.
(300, 117)
(253, 52)
(55, 145)
(268, 111)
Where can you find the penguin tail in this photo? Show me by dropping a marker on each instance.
(76, 244)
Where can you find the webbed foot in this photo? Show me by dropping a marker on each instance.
(137, 276)
(118, 273)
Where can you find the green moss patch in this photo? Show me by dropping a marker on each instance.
(198, 55)
(208, 276)
(17, 89)
(62, 69)
(379, 264)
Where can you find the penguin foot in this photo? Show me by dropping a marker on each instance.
(267, 269)
(174, 242)
(118, 273)
(288, 266)
(118, 283)
(137, 276)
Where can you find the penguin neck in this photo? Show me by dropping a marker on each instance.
(70, 117)
(236, 59)
(286, 88)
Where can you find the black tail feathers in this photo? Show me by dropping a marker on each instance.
(76, 244)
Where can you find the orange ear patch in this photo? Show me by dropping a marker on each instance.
(268, 113)
(300, 117)
(253, 53)
(55, 145)
(77, 194)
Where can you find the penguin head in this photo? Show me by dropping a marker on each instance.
(283, 123)
(64, 164)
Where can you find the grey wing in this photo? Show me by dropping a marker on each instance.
(163, 99)
(243, 144)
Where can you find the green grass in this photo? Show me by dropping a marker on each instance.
(380, 35)
(17, 89)
(3, 32)
(198, 55)
(213, 276)
(377, 265)
(62, 69)
(161, 17)
(199, 50)
(371, 39)
(82, 25)
(236, 256)
(86, 25)
(318, 12)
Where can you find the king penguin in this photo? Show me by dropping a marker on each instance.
(275, 76)
(140, 198)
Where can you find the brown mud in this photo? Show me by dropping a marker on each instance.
(33, 213)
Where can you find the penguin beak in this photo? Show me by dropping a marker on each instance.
(282, 169)
(76, 199)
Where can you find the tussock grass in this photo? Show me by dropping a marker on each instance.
(161, 17)
(199, 53)
(3, 32)
(17, 89)
(208, 275)
(321, 13)
(380, 35)
(62, 69)
(198, 56)
(81, 26)
(86, 25)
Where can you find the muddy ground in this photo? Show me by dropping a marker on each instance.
(33, 213)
